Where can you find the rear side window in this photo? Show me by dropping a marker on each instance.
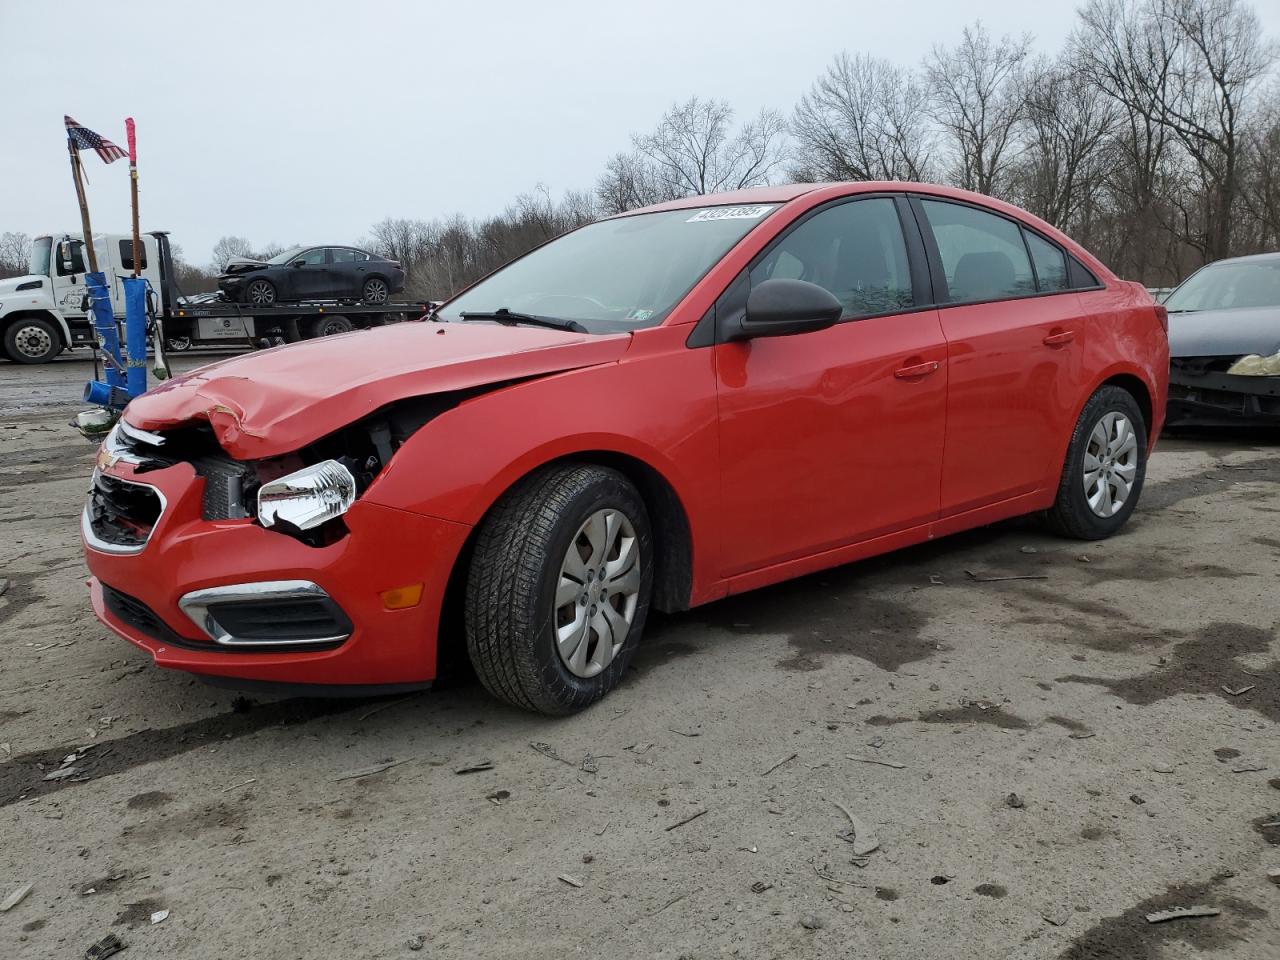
(855, 250)
(126, 254)
(983, 255)
(342, 255)
(1050, 261)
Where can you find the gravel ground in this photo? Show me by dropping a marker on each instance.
(1042, 761)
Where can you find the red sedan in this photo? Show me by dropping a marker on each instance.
(658, 409)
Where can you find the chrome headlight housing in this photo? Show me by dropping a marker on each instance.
(308, 497)
(1255, 365)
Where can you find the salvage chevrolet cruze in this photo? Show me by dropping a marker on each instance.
(656, 410)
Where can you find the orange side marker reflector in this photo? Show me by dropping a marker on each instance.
(402, 598)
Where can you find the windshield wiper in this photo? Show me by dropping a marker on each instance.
(503, 315)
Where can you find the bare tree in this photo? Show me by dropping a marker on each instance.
(693, 151)
(976, 99)
(229, 247)
(864, 119)
(15, 247)
(1261, 178)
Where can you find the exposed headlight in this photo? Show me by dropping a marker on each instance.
(1257, 366)
(307, 497)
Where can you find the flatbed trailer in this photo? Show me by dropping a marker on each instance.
(46, 312)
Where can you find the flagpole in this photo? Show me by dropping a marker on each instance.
(133, 195)
(77, 177)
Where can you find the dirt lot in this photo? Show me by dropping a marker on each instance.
(1130, 699)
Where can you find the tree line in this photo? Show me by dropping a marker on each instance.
(1152, 137)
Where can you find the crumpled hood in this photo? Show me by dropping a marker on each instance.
(1225, 333)
(277, 401)
(242, 265)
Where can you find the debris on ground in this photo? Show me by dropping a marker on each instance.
(1013, 801)
(475, 766)
(875, 743)
(687, 819)
(784, 760)
(977, 579)
(549, 752)
(62, 773)
(1237, 691)
(859, 833)
(571, 881)
(108, 946)
(369, 771)
(1134, 798)
(1274, 875)
(1183, 913)
(498, 796)
(1083, 558)
(1028, 550)
(686, 733)
(1248, 768)
(812, 923)
(416, 942)
(160, 916)
(15, 898)
(760, 886)
(4, 586)
(1162, 768)
(882, 763)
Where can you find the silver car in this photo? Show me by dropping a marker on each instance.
(1224, 344)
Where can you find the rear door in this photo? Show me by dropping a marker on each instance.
(1015, 353)
(832, 437)
(349, 268)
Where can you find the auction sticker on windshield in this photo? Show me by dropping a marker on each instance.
(753, 212)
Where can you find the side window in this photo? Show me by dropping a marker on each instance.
(854, 249)
(345, 255)
(72, 250)
(1079, 276)
(1050, 261)
(983, 255)
(312, 258)
(126, 255)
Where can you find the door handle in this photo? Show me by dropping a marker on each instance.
(1059, 339)
(916, 370)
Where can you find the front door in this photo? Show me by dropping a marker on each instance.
(832, 437)
(309, 274)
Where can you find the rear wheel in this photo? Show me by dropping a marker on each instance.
(331, 324)
(375, 290)
(1105, 467)
(32, 340)
(558, 588)
(260, 293)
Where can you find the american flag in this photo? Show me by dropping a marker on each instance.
(86, 139)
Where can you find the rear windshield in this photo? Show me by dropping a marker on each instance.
(1228, 286)
(615, 275)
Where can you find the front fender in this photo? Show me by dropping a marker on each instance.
(657, 405)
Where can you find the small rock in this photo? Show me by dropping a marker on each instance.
(416, 942)
(812, 923)
(1162, 768)
(1079, 657)
(876, 743)
(1014, 801)
(1083, 558)
(1136, 799)
(1028, 550)
(934, 688)
(1274, 875)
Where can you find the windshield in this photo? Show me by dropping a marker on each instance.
(614, 275)
(38, 264)
(286, 255)
(1229, 286)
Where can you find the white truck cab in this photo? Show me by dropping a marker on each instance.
(43, 313)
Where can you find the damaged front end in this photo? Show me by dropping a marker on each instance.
(1224, 391)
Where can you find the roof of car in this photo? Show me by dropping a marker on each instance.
(1251, 258)
(790, 191)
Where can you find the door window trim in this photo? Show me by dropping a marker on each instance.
(732, 300)
(939, 277)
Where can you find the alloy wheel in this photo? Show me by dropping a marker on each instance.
(375, 291)
(597, 592)
(1110, 464)
(261, 293)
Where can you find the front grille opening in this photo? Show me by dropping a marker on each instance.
(281, 621)
(121, 513)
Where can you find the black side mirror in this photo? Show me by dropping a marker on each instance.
(298, 263)
(780, 308)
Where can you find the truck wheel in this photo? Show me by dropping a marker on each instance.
(32, 340)
(558, 588)
(179, 343)
(374, 290)
(1106, 464)
(330, 325)
(260, 293)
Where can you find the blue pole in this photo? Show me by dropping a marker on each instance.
(112, 393)
(135, 334)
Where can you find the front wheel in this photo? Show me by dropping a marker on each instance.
(260, 293)
(32, 340)
(1105, 467)
(558, 588)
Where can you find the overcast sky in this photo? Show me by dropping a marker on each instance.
(308, 121)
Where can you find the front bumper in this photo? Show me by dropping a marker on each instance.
(139, 595)
(1221, 399)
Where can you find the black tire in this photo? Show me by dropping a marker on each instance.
(178, 344)
(375, 290)
(32, 340)
(1071, 514)
(510, 592)
(330, 324)
(268, 292)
